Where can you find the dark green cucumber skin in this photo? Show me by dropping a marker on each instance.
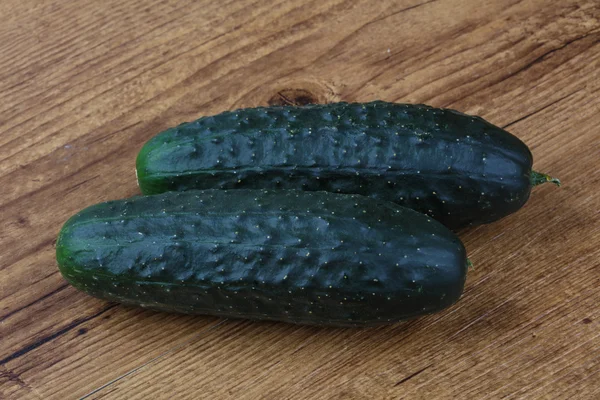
(295, 256)
(459, 169)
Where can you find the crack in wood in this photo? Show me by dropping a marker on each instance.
(409, 377)
(540, 109)
(39, 299)
(13, 377)
(83, 182)
(551, 51)
(541, 58)
(53, 336)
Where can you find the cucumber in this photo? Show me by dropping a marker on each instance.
(296, 256)
(459, 169)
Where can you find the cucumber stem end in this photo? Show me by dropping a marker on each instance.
(537, 178)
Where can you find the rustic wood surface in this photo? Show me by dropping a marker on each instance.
(83, 84)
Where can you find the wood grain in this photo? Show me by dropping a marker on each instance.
(84, 84)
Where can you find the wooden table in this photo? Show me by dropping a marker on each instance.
(83, 84)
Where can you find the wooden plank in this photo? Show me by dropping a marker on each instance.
(532, 336)
(84, 84)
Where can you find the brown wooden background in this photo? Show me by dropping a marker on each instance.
(84, 83)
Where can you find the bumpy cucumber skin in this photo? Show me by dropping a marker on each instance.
(295, 256)
(459, 169)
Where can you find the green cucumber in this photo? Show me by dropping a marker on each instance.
(459, 169)
(296, 256)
